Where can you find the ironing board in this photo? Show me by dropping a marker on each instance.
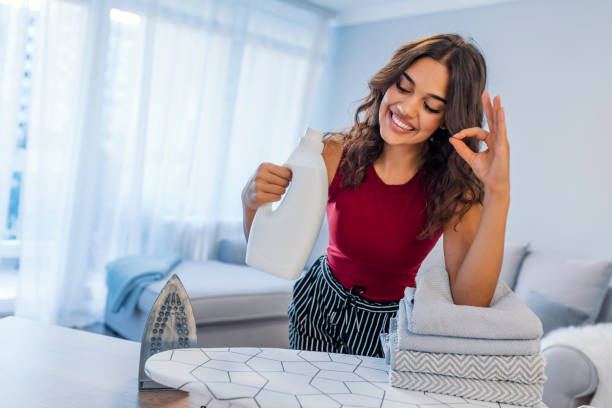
(269, 377)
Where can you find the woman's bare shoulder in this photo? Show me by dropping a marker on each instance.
(332, 153)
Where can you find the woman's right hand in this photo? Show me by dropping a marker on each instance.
(267, 185)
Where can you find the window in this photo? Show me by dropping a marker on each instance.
(9, 229)
(132, 116)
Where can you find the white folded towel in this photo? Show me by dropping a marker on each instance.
(461, 345)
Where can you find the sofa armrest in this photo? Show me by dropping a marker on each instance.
(572, 377)
(605, 313)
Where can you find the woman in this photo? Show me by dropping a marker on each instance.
(406, 172)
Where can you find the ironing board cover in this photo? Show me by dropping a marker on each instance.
(269, 377)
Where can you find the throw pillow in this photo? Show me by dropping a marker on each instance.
(513, 258)
(553, 314)
(581, 285)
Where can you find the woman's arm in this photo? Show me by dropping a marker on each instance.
(474, 250)
(267, 185)
(332, 153)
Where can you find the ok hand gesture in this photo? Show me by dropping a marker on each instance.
(491, 166)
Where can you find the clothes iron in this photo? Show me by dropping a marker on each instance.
(170, 325)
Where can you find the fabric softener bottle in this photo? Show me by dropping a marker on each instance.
(281, 239)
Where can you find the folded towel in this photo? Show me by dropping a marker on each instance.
(459, 345)
(506, 392)
(520, 369)
(127, 277)
(435, 313)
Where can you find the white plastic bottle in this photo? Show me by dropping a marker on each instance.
(281, 240)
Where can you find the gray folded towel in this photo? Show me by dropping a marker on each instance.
(460, 345)
(506, 392)
(435, 313)
(528, 369)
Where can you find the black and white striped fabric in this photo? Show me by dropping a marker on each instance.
(324, 316)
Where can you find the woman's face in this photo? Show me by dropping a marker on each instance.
(413, 108)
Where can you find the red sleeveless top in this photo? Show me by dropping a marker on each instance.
(372, 234)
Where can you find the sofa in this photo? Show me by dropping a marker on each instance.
(235, 305)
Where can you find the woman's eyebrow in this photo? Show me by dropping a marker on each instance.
(413, 84)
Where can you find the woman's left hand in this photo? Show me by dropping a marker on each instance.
(491, 166)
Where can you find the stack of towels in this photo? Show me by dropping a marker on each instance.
(482, 353)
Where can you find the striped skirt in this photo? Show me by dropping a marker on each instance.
(324, 316)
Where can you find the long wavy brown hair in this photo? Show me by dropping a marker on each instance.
(451, 186)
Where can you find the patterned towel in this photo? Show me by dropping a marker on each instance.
(458, 345)
(506, 392)
(435, 313)
(521, 369)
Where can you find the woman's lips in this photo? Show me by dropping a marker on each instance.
(395, 126)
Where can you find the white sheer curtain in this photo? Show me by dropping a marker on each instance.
(147, 119)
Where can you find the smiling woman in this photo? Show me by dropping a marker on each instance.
(404, 103)
(397, 182)
(434, 87)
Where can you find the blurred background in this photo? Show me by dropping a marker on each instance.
(131, 126)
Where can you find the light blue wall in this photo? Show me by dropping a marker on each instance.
(551, 61)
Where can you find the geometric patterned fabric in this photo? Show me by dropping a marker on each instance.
(278, 378)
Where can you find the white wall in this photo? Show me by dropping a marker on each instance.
(551, 61)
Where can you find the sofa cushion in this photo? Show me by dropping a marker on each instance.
(514, 255)
(232, 251)
(221, 292)
(513, 258)
(553, 314)
(579, 284)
